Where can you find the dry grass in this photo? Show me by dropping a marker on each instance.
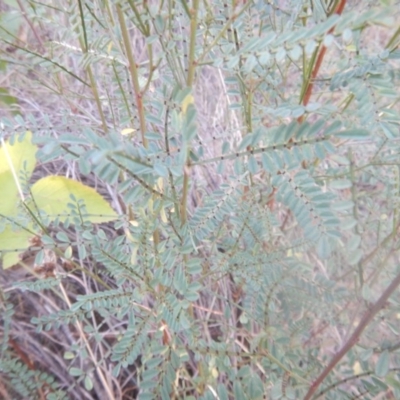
(60, 104)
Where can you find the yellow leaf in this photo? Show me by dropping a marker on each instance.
(11, 241)
(127, 131)
(9, 202)
(357, 368)
(186, 103)
(214, 373)
(22, 155)
(150, 204)
(134, 256)
(163, 216)
(68, 253)
(160, 185)
(52, 195)
(351, 48)
(16, 160)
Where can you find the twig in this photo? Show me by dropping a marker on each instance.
(355, 336)
(310, 80)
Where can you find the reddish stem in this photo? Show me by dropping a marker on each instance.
(21, 354)
(367, 318)
(320, 58)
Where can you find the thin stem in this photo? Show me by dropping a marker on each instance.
(355, 211)
(189, 83)
(128, 109)
(274, 360)
(391, 45)
(142, 27)
(192, 44)
(25, 14)
(185, 196)
(85, 49)
(97, 98)
(367, 318)
(223, 30)
(134, 74)
(107, 388)
(185, 7)
(83, 26)
(341, 382)
(316, 62)
(307, 82)
(58, 65)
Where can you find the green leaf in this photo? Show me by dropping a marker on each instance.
(116, 370)
(222, 392)
(88, 383)
(354, 256)
(194, 266)
(52, 195)
(180, 282)
(10, 23)
(255, 387)
(238, 391)
(392, 381)
(390, 130)
(75, 371)
(382, 365)
(268, 163)
(246, 141)
(323, 247)
(276, 391)
(252, 165)
(7, 99)
(68, 355)
(353, 134)
(341, 184)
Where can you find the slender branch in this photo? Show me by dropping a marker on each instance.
(223, 30)
(315, 69)
(274, 360)
(85, 49)
(348, 379)
(353, 191)
(185, 7)
(367, 318)
(394, 40)
(97, 98)
(192, 45)
(58, 65)
(142, 27)
(185, 195)
(83, 25)
(189, 83)
(25, 14)
(106, 385)
(134, 73)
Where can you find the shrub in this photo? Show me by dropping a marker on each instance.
(249, 150)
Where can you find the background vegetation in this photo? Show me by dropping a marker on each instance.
(250, 151)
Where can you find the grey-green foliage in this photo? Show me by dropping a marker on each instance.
(291, 208)
(25, 382)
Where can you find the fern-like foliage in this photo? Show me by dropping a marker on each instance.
(250, 149)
